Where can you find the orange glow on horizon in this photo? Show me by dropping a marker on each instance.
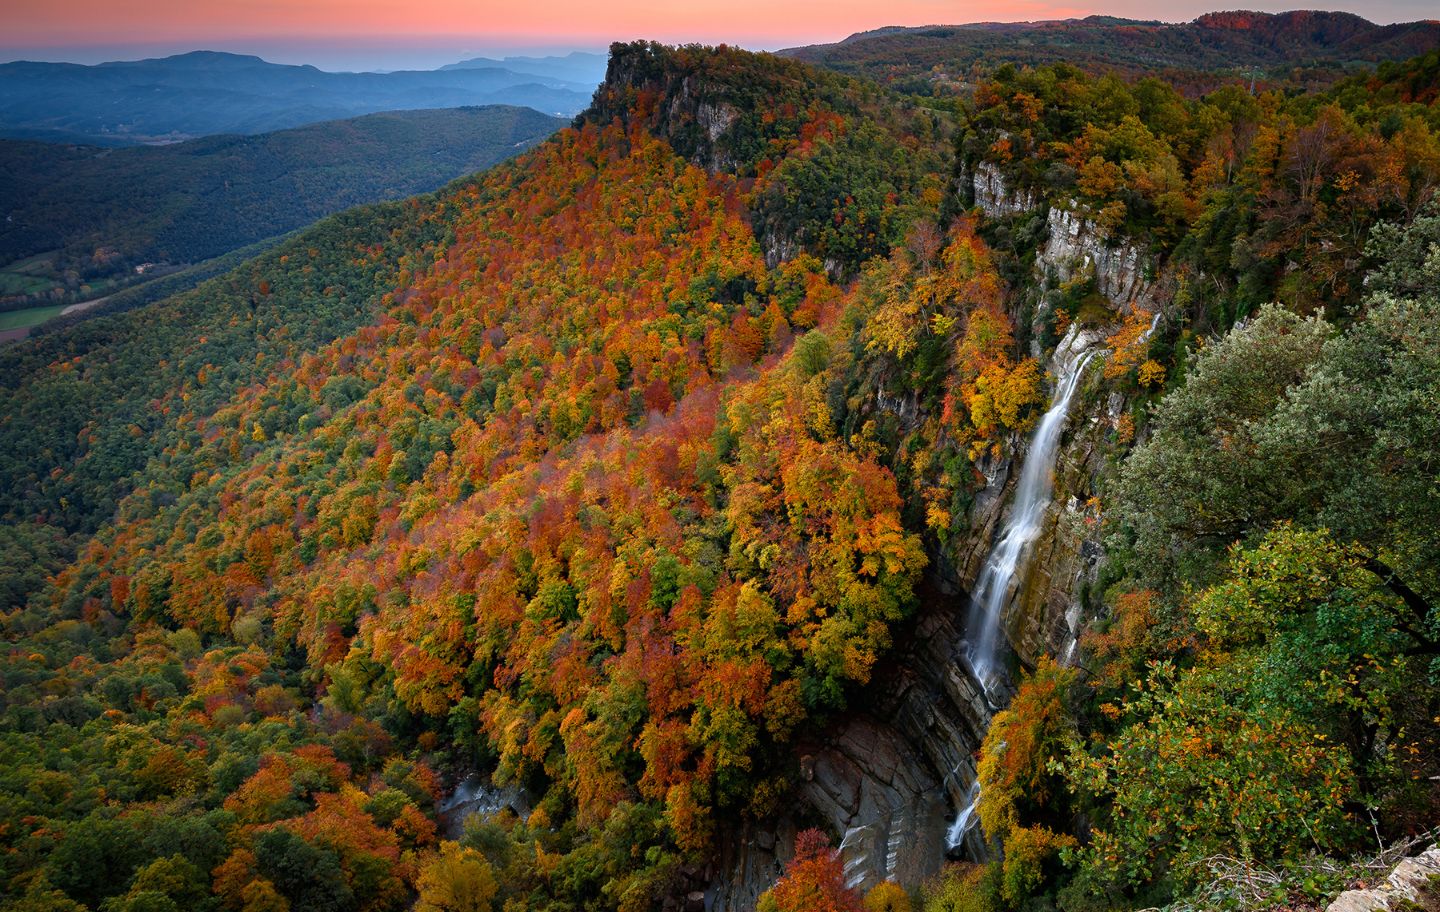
(558, 23)
(42, 23)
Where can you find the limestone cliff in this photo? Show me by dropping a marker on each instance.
(1078, 247)
(993, 195)
(1075, 246)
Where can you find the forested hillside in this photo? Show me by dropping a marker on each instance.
(98, 214)
(626, 475)
(1299, 48)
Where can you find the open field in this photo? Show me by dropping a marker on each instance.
(28, 276)
(31, 316)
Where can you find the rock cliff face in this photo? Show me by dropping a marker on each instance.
(750, 858)
(475, 795)
(994, 196)
(869, 779)
(1076, 246)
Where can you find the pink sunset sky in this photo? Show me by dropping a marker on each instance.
(389, 34)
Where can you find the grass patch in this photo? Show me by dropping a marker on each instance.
(1095, 310)
(19, 283)
(31, 316)
(39, 264)
(32, 275)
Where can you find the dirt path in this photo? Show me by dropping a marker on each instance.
(84, 305)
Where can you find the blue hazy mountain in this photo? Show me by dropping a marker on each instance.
(578, 66)
(208, 92)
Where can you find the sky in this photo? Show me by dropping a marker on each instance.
(385, 34)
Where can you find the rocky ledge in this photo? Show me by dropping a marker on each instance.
(1411, 885)
(1074, 245)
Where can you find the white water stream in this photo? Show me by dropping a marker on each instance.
(998, 578)
(1032, 499)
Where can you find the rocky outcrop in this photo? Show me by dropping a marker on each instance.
(715, 117)
(1076, 246)
(695, 114)
(476, 796)
(778, 247)
(1412, 885)
(995, 198)
(904, 406)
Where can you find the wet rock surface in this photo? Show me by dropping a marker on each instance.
(1047, 615)
(475, 796)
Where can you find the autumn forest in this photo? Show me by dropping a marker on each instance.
(633, 474)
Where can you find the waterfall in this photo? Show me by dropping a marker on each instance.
(965, 819)
(1001, 571)
(1032, 499)
(473, 796)
(855, 867)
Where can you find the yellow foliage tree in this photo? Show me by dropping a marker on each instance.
(999, 399)
(887, 896)
(1152, 373)
(1130, 345)
(455, 879)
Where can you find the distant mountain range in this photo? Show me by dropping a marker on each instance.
(1214, 42)
(97, 214)
(208, 92)
(580, 67)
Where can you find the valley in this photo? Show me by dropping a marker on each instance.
(82, 223)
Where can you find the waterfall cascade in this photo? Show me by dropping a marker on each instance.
(1002, 569)
(476, 796)
(965, 819)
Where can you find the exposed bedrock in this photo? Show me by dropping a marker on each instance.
(1074, 245)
